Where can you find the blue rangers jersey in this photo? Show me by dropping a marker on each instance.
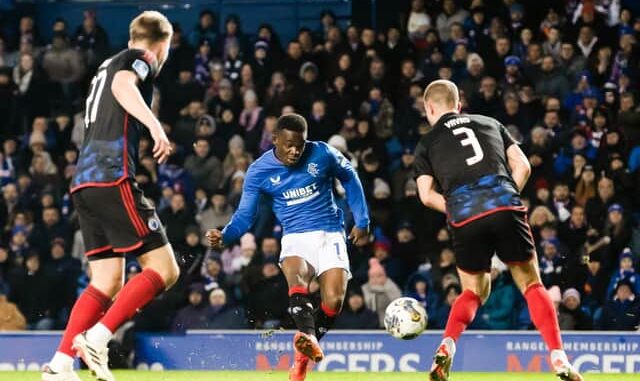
(302, 195)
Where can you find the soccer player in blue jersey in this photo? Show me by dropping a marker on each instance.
(298, 175)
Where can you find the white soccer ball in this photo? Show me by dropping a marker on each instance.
(405, 318)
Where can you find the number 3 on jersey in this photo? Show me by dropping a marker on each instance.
(470, 140)
(93, 100)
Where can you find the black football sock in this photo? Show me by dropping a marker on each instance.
(324, 317)
(301, 311)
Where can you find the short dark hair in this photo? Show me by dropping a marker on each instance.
(292, 122)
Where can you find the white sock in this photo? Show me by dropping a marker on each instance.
(61, 362)
(99, 335)
(450, 344)
(558, 355)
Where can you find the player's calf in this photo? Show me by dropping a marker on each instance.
(301, 309)
(162, 261)
(325, 316)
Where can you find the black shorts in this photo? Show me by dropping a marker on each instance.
(505, 233)
(116, 220)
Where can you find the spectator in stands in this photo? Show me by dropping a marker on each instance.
(32, 90)
(355, 314)
(497, 312)
(221, 315)
(31, 291)
(28, 32)
(626, 271)
(205, 168)
(572, 316)
(176, 218)
(551, 82)
(193, 254)
(192, 316)
(203, 63)
(271, 287)
(622, 313)
(418, 23)
(585, 188)
(217, 214)
(617, 229)
(450, 15)
(212, 273)
(450, 295)
(63, 270)
(419, 289)
(379, 291)
(205, 30)
(51, 227)
(64, 66)
(551, 263)
(487, 100)
(12, 318)
(92, 40)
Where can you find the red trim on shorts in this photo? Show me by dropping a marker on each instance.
(298, 290)
(99, 185)
(130, 212)
(136, 215)
(488, 212)
(128, 248)
(98, 250)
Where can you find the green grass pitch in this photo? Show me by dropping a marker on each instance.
(331, 376)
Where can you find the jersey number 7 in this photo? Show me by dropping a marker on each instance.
(470, 140)
(93, 100)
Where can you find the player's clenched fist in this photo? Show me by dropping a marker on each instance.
(214, 236)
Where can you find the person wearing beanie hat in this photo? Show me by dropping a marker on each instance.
(622, 310)
(571, 315)
(462, 172)
(298, 176)
(381, 189)
(380, 290)
(355, 314)
(192, 316)
(625, 271)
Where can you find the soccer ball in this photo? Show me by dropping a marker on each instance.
(405, 318)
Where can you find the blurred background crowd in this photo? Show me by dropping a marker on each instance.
(564, 81)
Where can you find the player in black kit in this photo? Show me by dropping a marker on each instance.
(115, 217)
(470, 168)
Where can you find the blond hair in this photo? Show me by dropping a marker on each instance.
(442, 92)
(152, 26)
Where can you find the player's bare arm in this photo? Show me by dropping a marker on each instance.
(519, 165)
(428, 194)
(125, 90)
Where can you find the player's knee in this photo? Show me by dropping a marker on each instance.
(171, 275)
(334, 301)
(109, 286)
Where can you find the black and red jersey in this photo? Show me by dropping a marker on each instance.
(466, 155)
(109, 151)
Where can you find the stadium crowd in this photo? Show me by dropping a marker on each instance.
(564, 84)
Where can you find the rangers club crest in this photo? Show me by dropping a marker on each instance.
(312, 168)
